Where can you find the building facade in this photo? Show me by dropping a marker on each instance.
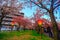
(6, 23)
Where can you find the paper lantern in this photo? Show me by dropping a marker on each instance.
(40, 22)
(12, 23)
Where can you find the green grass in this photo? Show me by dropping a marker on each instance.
(23, 35)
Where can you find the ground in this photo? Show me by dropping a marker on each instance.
(23, 35)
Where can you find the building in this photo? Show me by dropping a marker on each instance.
(9, 17)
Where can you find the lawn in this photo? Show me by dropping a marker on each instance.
(23, 35)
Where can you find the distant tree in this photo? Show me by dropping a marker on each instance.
(50, 6)
(9, 7)
(22, 21)
(38, 16)
(19, 21)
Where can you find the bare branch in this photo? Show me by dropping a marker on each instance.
(40, 6)
(56, 6)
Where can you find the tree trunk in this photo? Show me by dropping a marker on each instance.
(1, 20)
(0, 25)
(0, 28)
(37, 29)
(11, 28)
(18, 28)
(24, 28)
(55, 26)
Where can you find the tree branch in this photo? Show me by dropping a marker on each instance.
(44, 7)
(56, 6)
(40, 6)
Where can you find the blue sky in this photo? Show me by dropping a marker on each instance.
(29, 12)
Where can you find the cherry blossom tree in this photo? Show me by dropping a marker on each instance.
(38, 16)
(9, 7)
(50, 6)
(22, 21)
